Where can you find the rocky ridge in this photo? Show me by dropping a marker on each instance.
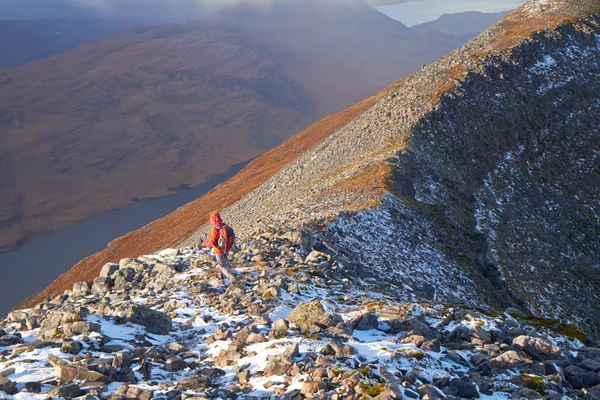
(301, 323)
(477, 176)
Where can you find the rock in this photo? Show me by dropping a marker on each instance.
(108, 269)
(526, 394)
(417, 340)
(277, 365)
(537, 348)
(176, 348)
(127, 392)
(279, 329)
(311, 387)
(292, 351)
(163, 272)
(82, 288)
(5, 373)
(462, 389)
(71, 347)
(80, 328)
(175, 364)
(228, 357)
(65, 391)
(243, 377)
(257, 338)
(193, 383)
(339, 350)
(367, 322)
(431, 345)
(33, 387)
(311, 314)
(102, 285)
(432, 392)
(67, 373)
(508, 360)
(154, 321)
(169, 253)
(590, 365)
(50, 326)
(7, 386)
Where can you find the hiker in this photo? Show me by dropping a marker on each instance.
(221, 239)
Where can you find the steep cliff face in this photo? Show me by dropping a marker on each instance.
(477, 177)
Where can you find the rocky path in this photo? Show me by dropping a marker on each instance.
(299, 324)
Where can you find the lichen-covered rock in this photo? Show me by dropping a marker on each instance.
(537, 348)
(311, 314)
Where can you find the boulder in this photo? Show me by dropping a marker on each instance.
(33, 387)
(537, 348)
(279, 328)
(154, 321)
(67, 373)
(80, 328)
(462, 389)
(292, 351)
(82, 288)
(338, 349)
(175, 364)
(102, 285)
(49, 328)
(108, 269)
(508, 360)
(278, 365)
(71, 347)
(70, 391)
(311, 387)
(127, 392)
(313, 313)
(367, 322)
(7, 386)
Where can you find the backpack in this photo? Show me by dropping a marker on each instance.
(226, 238)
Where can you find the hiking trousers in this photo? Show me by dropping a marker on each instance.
(224, 266)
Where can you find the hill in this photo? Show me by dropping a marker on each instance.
(31, 40)
(150, 108)
(470, 23)
(473, 180)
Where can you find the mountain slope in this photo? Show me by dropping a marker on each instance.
(298, 324)
(475, 179)
(151, 108)
(458, 24)
(25, 41)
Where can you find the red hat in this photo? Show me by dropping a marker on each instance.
(215, 219)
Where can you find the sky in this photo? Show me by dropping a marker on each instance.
(417, 12)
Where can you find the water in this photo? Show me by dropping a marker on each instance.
(32, 267)
(417, 12)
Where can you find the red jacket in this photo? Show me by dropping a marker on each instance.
(215, 233)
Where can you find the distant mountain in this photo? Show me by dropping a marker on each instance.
(466, 23)
(23, 41)
(150, 108)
